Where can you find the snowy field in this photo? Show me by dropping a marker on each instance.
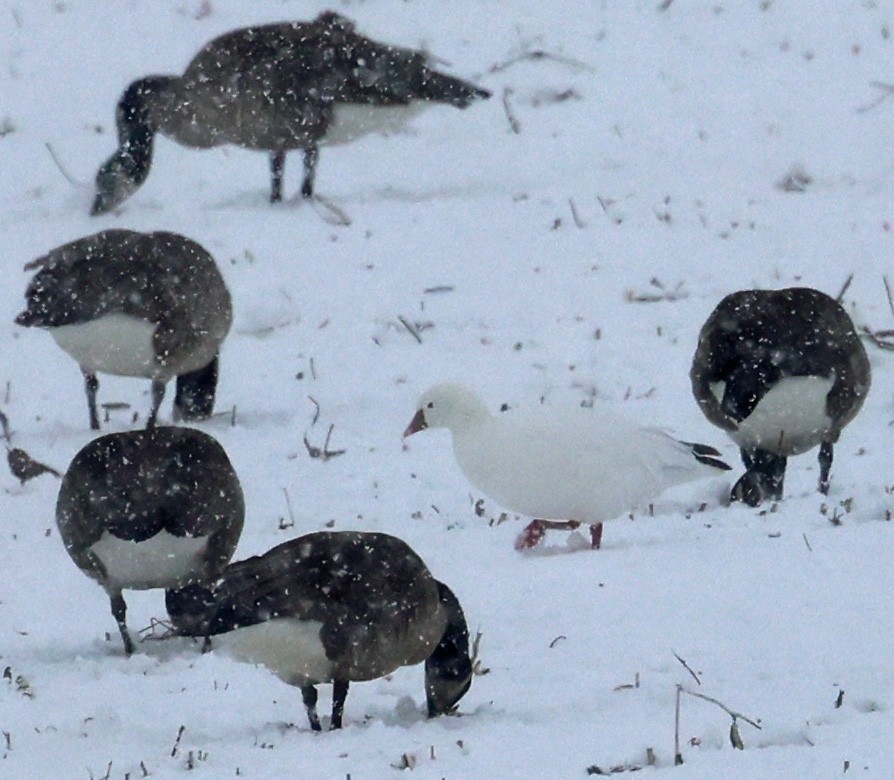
(563, 241)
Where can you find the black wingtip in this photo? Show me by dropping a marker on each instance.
(715, 462)
(708, 455)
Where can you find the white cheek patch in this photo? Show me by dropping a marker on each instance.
(113, 344)
(354, 120)
(288, 647)
(791, 416)
(163, 561)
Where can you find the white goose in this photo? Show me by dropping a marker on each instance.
(562, 466)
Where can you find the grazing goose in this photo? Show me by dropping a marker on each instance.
(160, 508)
(339, 607)
(275, 88)
(781, 371)
(135, 304)
(562, 466)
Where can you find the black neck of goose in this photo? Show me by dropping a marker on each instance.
(449, 668)
(190, 608)
(137, 122)
(194, 399)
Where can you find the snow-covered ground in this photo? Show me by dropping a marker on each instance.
(649, 151)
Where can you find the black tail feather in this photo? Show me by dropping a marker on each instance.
(448, 89)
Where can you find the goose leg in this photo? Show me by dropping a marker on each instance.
(158, 393)
(339, 694)
(309, 695)
(536, 530)
(119, 612)
(311, 154)
(596, 536)
(825, 464)
(277, 168)
(91, 384)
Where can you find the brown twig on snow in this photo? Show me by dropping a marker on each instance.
(514, 124)
(888, 293)
(578, 222)
(68, 177)
(411, 329)
(316, 409)
(177, 741)
(475, 657)
(688, 668)
(734, 736)
(881, 338)
(886, 91)
(323, 453)
(539, 55)
(844, 288)
(677, 294)
(282, 524)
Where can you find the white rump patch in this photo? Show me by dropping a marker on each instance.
(353, 120)
(288, 647)
(163, 561)
(791, 416)
(113, 344)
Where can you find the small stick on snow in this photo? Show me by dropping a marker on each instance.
(578, 222)
(329, 212)
(68, 177)
(289, 506)
(879, 337)
(888, 293)
(410, 328)
(732, 713)
(847, 284)
(316, 410)
(537, 55)
(177, 741)
(514, 124)
(887, 91)
(688, 668)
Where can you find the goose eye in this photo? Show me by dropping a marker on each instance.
(430, 405)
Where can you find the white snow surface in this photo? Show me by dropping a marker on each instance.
(647, 163)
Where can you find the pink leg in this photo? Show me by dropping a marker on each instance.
(536, 530)
(596, 535)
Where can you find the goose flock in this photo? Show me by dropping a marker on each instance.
(781, 372)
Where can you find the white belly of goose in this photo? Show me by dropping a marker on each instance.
(790, 418)
(288, 647)
(354, 120)
(112, 344)
(163, 561)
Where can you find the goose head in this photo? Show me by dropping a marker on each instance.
(118, 178)
(450, 406)
(137, 118)
(449, 670)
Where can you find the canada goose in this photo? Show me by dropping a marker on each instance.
(561, 465)
(339, 607)
(135, 304)
(160, 508)
(781, 371)
(275, 88)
